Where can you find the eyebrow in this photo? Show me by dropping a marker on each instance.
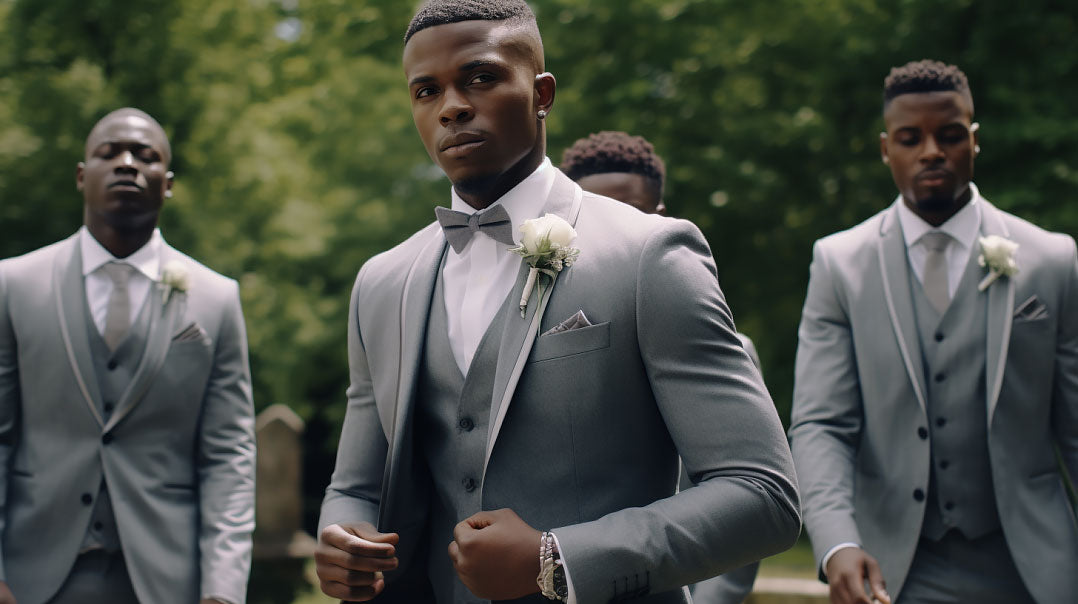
(469, 66)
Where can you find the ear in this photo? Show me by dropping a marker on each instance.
(80, 169)
(545, 85)
(169, 177)
(883, 148)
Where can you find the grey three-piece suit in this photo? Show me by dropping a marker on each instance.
(578, 432)
(154, 442)
(910, 425)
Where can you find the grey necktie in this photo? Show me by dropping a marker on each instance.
(459, 226)
(935, 275)
(118, 315)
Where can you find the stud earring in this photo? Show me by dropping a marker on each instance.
(541, 114)
(976, 149)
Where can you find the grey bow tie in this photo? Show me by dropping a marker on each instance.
(459, 227)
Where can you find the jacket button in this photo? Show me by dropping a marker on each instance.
(112, 365)
(86, 499)
(469, 484)
(939, 337)
(940, 377)
(945, 464)
(918, 495)
(948, 506)
(466, 424)
(109, 407)
(922, 432)
(106, 438)
(941, 422)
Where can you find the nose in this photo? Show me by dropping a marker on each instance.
(455, 108)
(125, 161)
(930, 151)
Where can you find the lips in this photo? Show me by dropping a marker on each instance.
(127, 185)
(462, 142)
(935, 174)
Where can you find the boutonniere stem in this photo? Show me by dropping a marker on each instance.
(546, 247)
(997, 254)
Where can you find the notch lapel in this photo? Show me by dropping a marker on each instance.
(71, 310)
(416, 295)
(164, 321)
(894, 272)
(519, 333)
(1000, 315)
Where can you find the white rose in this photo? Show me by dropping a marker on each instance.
(174, 275)
(997, 253)
(551, 228)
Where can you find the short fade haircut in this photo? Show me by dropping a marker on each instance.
(444, 12)
(925, 76)
(609, 151)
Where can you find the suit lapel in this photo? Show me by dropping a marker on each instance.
(71, 310)
(164, 320)
(520, 333)
(1000, 314)
(896, 289)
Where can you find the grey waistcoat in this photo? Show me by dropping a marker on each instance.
(452, 418)
(114, 372)
(960, 493)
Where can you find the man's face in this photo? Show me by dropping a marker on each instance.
(625, 187)
(474, 99)
(929, 145)
(125, 177)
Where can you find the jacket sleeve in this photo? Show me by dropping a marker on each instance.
(226, 463)
(825, 424)
(1065, 393)
(724, 425)
(9, 402)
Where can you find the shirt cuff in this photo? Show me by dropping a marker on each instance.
(834, 550)
(571, 599)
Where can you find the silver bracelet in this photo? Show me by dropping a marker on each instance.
(551, 579)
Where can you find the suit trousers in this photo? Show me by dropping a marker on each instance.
(98, 576)
(956, 570)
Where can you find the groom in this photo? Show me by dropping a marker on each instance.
(481, 448)
(932, 399)
(126, 423)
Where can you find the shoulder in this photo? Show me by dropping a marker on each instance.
(394, 263)
(1034, 241)
(611, 228)
(38, 262)
(204, 281)
(856, 240)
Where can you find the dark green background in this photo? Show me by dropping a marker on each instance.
(296, 158)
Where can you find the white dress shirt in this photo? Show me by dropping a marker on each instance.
(477, 280)
(964, 228)
(147, 264)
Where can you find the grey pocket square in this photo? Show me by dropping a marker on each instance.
(1031, 310)
(191, 333)
(576, 321)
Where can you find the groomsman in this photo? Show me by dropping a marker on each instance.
(506, 445)
(627, 168)
(937, 378)
(126, 422)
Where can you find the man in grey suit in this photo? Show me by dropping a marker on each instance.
(627, 168)
(482, 448)
(126, 421)
(937, 379)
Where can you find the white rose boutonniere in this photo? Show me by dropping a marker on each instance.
(174, 277)
(997, 254)
(546, 247)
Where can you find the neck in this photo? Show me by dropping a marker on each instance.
(936, 215)
(120, 244)
(483, 195)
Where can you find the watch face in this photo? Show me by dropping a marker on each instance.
(561, 587)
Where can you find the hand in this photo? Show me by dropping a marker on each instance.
(350, 559)
(846, 573)
(496, 555)
(6, 597)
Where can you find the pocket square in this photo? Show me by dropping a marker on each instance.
(576, 321)
(1031, 310)
(191, 333)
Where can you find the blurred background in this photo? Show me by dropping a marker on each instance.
(296, 158)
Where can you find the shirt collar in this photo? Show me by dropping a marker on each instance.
(963, 227)
(147, 260)
(523, 202)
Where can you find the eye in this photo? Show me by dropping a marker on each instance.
(147, 155)
(424, 92)
(481, 78)
(908, 139)
(953, 136)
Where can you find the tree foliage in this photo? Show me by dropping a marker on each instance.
(296, 158)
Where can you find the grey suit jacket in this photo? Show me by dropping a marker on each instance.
(179, 463)
(859, 400)
(586, 425)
